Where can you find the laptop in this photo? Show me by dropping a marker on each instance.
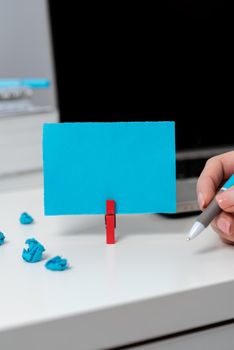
(27, 86)
(167, 61)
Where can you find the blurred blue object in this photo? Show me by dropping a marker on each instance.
(30, 83)
(2, 238)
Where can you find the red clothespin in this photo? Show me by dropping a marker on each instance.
(110, 220)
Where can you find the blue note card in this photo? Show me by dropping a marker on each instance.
(86, 164)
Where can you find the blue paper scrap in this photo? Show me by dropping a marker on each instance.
(2, 238)
(34, 252)
(86, 164)
(26, 219)
(56, 264)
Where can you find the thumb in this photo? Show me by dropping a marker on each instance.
(226, 200)
(206, 191)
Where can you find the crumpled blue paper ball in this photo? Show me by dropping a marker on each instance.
(34, 252)
(25, 219)
(57, 264)
(2, 238)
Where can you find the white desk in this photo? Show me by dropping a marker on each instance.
(151, 283)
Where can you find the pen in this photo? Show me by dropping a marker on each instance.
(213, 209)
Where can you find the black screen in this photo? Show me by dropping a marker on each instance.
(169, 61)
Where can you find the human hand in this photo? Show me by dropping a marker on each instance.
(217, 171)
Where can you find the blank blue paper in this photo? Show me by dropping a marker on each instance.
(132, 163)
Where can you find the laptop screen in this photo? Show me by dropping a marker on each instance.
(170, 61)
(27, 82)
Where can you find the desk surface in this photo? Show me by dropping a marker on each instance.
(152, 282)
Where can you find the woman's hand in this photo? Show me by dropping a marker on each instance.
(216, 171)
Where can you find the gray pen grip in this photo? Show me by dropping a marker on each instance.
(209, 213)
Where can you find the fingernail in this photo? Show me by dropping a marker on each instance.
(219, 197)
(201, 201)
(224, 226)
(226, 198)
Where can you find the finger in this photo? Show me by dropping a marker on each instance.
(222, 237)
(224, 225)
(216, 171)
(226, 200)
